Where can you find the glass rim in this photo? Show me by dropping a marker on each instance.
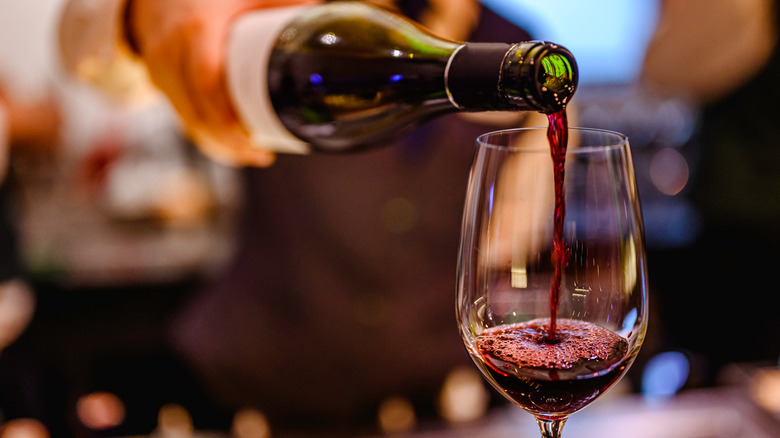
(619, 140)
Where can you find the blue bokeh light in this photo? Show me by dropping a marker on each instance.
(608, 38)
(664, 375)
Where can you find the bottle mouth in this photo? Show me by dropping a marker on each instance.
(557, 76)
(545, 76)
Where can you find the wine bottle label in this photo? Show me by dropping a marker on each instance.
(249, 47)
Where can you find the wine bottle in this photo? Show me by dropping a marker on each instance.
(348, 75)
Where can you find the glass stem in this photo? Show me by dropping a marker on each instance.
(551, 428)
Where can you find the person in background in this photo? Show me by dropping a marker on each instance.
(87, 229)
(340, 295)
(346, 264)
(714, 295)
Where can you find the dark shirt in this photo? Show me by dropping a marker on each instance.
(343, 290)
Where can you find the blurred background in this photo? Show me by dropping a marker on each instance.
(111, 221)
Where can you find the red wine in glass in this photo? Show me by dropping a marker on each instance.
(552, 327)
(552, 379)
(549, 366)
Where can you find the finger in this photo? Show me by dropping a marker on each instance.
(165, 63)
(235, 151)
(220, 128)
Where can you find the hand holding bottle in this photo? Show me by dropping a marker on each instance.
(182, 43)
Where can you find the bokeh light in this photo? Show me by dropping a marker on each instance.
(100, 410)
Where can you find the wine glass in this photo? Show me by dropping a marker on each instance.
(552, 318)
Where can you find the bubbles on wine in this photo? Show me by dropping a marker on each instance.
(525, 350)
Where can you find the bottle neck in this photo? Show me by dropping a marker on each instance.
(527, 76)
(472, 76)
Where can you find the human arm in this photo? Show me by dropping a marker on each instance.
(705, 49)
(176, 45)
